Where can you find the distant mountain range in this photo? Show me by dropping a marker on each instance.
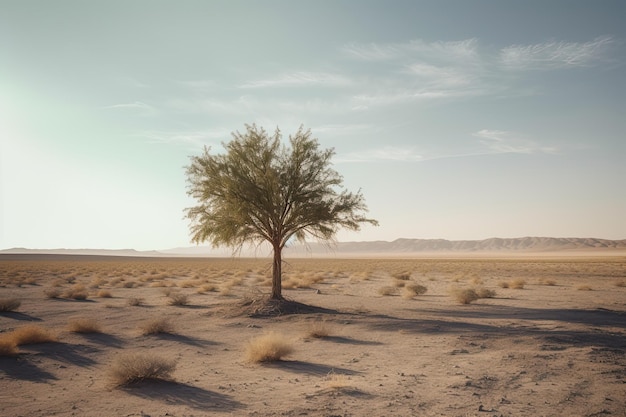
(523, 244)
(383, 248)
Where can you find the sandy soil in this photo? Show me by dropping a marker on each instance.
(557, 347)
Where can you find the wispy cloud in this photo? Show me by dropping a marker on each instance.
(554, 55)
(195, 139)
(301, 78)
(143, 108)
(501, 141)
(387, 153)
(440, 50)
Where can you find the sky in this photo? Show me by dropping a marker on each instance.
(459, 120)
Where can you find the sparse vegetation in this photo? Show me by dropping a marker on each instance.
(178, 299)
(269, 347)
(387, 290)
(7, 347)
(76, 292)
(517, 284)
(485, 293)
(157, 326)
(465, 295)
(135, 301)
(131, 368)
(29, 334)
(9, 304)
(412, 290)
(319, 329)
(105, 294)
(584, 287)
(53, 292)
(84, 325)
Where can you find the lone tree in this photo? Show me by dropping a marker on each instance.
(264, 190)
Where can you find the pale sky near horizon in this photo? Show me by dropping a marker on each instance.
(456, 119)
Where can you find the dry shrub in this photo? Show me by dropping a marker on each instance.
(135, 301)
(620, 283)
(402, 276)
(337, 381)
(131, 368)
(84, 325)
(268, 348)
(76, 292)
(30, 334)
(584, 288)
(206, 288)
(517, 284)
(319, 329)
(178, 299)
(503, 284)
(387, 290)
(104, 294)
(9, 304)
(411, 290)
(52, 292)
(465, 295)
(157, 326)
(8, 347)
(485, 293)
(548, 282)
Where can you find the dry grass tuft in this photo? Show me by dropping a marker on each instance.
(178, 299)
(465, 295)
(584, 288)
(8, 347)
(387, 290)
(620, 283)
(105, 294)
(270, 347)
(131, 368)
(337, 381)
(76, 292)
(29, 334)
(135, 301)
(485, 293)
(503, 284)
(157, 326)
(319, 329)
(517, 284)
(52, 292)
(9, 304)
(84, 325)
(413, 290)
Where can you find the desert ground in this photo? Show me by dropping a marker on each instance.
(546, 337)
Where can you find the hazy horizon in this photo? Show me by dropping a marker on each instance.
(457, 120)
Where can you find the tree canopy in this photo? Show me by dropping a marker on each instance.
(262, 189)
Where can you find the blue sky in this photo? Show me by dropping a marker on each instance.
(456, 119)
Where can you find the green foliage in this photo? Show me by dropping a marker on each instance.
(263, 190)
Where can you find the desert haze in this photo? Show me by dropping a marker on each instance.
(164, 336)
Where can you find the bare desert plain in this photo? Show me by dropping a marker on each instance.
(536, 336)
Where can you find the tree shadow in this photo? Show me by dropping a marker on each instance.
(592, 337)
(170, 392)
(19, 368)
(104, 339)
(596, 317)
(19, 316)
(309, 368)
(62, 352)
(193, 341)
(349, 340)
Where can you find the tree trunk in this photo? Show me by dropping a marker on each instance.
(277, 285)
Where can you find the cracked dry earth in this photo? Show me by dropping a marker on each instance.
(544, 350)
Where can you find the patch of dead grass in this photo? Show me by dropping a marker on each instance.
(9, 304)
(269, 347)
(132, 368)
(84, 325)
